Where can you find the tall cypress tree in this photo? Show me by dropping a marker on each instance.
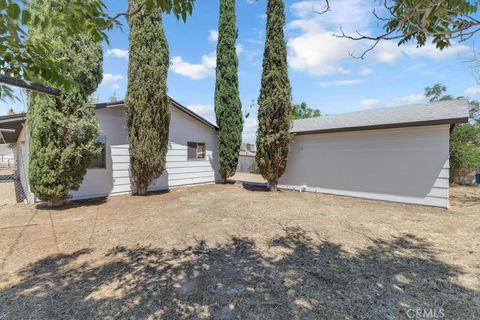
(275, 107)
(147, 102)
(64, 130)
(228, 108)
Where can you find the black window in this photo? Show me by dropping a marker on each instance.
(101, 160)
(196, 151)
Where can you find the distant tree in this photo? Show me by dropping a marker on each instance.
(11, 112)
(464, 148)
(436, 93)
(474, 110)
(64, 130)
(465, 138)
(228, 108)
(302, 111)
(147, 102)
(275, 102)
(113, 97)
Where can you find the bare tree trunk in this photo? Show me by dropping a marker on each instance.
(55, 203)
(273, 186)
(142, 190)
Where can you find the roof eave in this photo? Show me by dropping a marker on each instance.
(386, 126)
(180, 107)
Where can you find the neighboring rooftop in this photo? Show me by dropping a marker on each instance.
(173, 102)
(443, 112)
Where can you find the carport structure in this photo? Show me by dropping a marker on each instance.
(11, 187)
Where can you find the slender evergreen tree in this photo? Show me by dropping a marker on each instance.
(275, 107)
(228, 108)
(147, 102)
(64, 130)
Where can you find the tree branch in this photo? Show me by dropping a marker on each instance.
(29, 85)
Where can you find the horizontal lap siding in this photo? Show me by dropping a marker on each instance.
(179, 171)
(403, 165)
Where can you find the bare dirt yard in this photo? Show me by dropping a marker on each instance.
(233, 251)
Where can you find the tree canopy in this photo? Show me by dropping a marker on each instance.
(63, 130)
(302, 111)
(31, 59)
(275, 101)
(228, 108)
(422, 21)
(147, 102)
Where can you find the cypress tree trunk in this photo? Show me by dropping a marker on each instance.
(147, 102)
(63, 131)
(228, 108)
(275, 107)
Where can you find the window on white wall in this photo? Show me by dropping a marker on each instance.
(100, 162)
(196, 151)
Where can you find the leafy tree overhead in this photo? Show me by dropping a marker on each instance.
(421, 21)
(147, 102)
(32, 59)
(63, 130)
(275, 106)
(228, 108)
(302, 111)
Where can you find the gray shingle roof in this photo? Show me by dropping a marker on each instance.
(443, 112)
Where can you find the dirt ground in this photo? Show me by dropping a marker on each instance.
(238, 252)
(7, 188)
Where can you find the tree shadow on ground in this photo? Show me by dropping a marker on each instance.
(296, 277)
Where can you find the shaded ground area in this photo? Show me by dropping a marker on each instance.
(228, 252)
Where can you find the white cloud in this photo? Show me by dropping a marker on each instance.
(239, 48)
(429, 50)
(213, 35)
(350, 14)
(410, 99)
(365, 72)
(316, 51)
(313, 48)
(195, 71)
(119, 53)
(389, 51)
(250, 126)
(338, 83)
(473, 90)
(205, 110)
(370, 103)
(112, 80)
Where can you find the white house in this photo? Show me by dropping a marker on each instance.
(192, 157)
(395, 154)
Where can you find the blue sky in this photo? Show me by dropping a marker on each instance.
(322, 72)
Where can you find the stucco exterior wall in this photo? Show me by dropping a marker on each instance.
(403, 165)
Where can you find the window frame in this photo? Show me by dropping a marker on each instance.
(197, 158)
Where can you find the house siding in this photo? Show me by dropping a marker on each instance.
(115, 179)
(407, 165)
